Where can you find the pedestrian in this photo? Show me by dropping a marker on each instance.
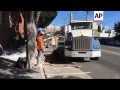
(56, 40)
(21, 28)
(53, 41)
(40, 47)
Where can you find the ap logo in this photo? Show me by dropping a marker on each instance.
(98, 16)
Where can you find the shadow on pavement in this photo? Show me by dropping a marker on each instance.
(8, 71)
(61, 77)
(57, 57)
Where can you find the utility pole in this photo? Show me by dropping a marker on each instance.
(64, 21)
(86, 15)
(71, 16)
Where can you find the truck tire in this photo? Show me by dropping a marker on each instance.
(67, 58)
(95, 58)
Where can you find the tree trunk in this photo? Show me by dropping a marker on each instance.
(30, 30)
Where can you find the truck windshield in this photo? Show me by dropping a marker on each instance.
(81, 25)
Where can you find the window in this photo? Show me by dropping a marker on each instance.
(81, 25)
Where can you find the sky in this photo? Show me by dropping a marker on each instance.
(109, 18)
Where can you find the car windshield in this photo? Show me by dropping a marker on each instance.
(81, 25)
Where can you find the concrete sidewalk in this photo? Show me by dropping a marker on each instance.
(8, 71)
(45, 71)
(61, 71)
(58, 70)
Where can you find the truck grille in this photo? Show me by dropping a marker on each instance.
(82, 43)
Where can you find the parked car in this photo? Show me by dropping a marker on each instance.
(105, 41)
(114, 43)
(111, 43)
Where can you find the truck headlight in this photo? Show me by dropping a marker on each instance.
(96, 46)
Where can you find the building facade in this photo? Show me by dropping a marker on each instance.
(53, 28)
(6, 34)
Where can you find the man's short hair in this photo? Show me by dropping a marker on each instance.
(41, 33)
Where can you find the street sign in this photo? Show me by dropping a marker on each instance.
(98, 16)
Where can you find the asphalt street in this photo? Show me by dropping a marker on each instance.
(107, 67)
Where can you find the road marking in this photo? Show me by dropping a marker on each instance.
(111, 52)
(110, 47)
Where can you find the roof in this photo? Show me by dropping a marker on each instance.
(76, 21)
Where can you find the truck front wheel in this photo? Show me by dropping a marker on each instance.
(95, 58)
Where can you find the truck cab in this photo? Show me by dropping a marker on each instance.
(80, 40)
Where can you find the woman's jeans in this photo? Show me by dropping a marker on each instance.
(39, 56)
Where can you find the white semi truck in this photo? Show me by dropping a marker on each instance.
(80, 40)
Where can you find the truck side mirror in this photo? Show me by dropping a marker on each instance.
(69, 28)
(99, 28)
